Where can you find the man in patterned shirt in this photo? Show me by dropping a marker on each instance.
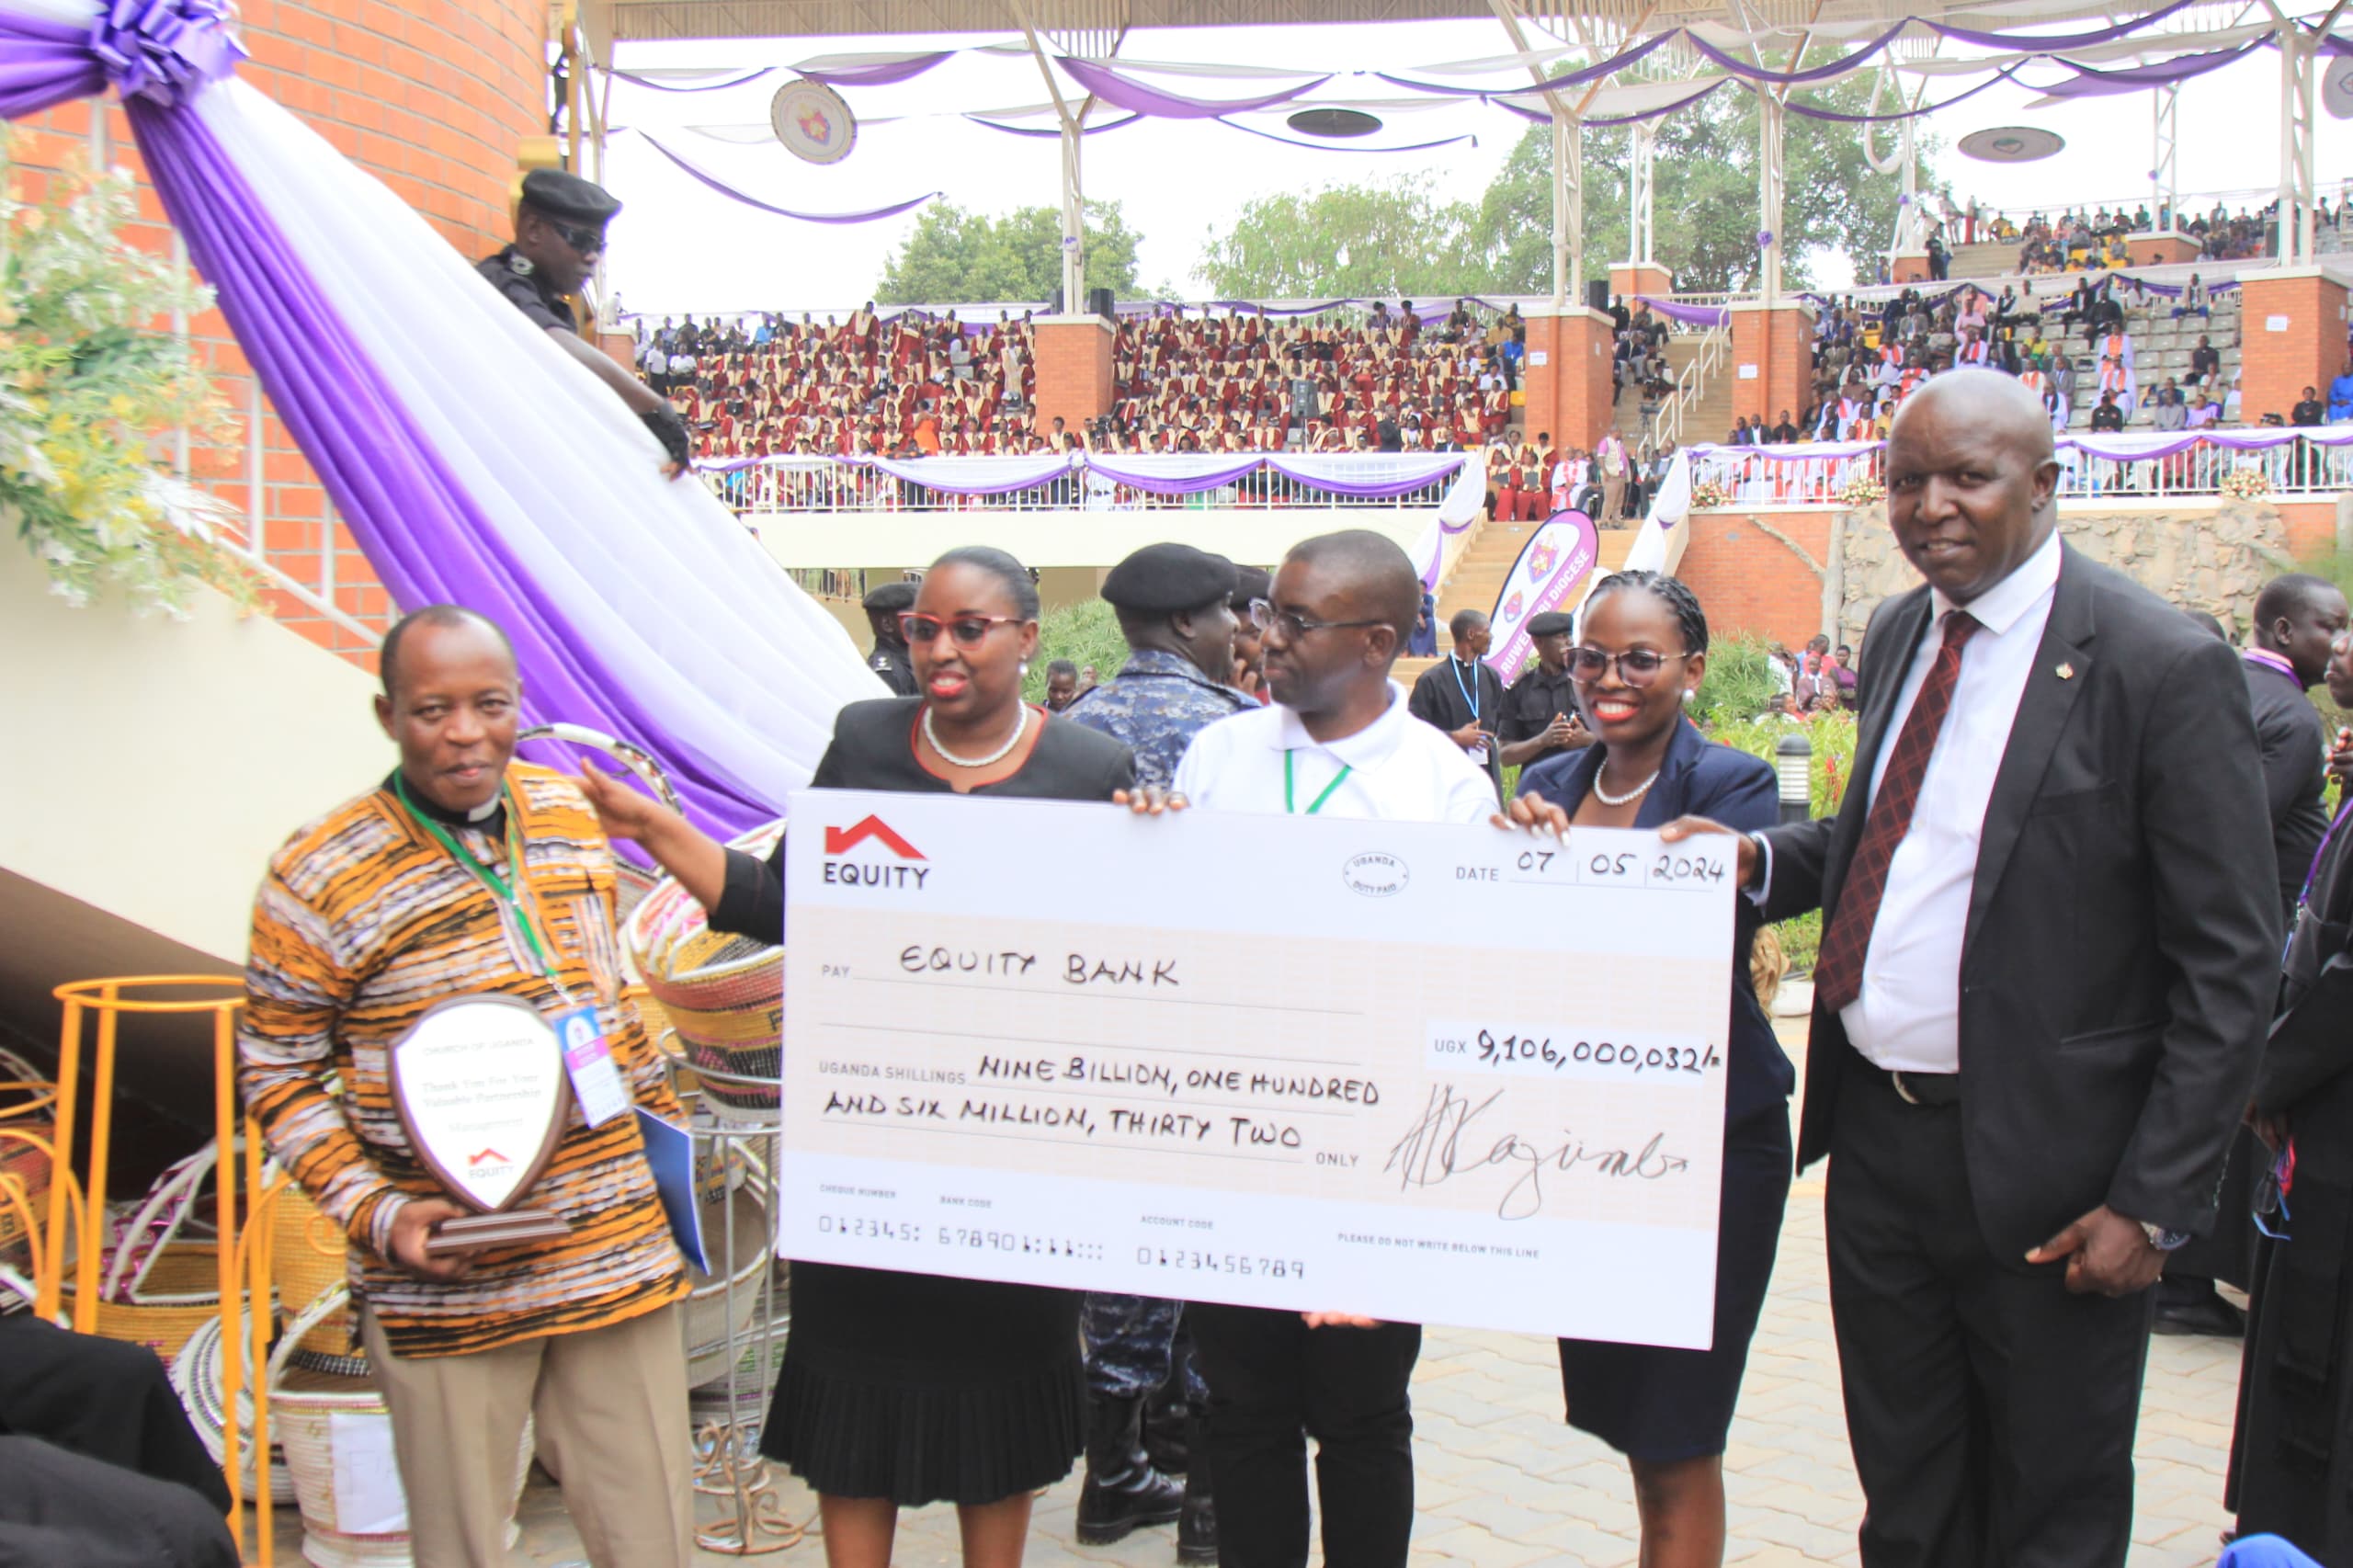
(1175, 609)
(402, 898)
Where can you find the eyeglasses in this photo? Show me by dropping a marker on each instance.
(588, 242)
(966, 629)
(1266, 617)
(1636, 666)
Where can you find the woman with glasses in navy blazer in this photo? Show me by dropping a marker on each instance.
(1642, 652)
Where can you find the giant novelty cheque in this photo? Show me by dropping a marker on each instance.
(1424, 1072)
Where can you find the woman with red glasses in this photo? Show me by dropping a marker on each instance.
(899, 1390)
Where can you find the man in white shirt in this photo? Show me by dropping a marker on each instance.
(1337, 741)
(2049, 940)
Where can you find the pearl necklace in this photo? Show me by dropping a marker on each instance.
(1021, 728)
(1607, 798)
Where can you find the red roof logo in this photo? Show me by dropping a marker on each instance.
(488, 1158)
(841, 840)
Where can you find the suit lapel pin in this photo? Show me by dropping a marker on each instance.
(2065, 672)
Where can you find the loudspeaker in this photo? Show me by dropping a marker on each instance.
(1596, 294)
(1054, 301)
(1098, 302)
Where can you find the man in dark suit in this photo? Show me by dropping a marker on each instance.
(2049, 927)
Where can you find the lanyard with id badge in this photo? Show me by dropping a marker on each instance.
(1471, 694)
(588, 1055)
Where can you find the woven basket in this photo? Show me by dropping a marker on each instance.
(196, 1378)
(307, 1258)
(180, 1294)
(724, 995)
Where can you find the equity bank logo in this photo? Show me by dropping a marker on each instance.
(871, 870)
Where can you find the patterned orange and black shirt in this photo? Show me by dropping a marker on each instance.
(363, 922)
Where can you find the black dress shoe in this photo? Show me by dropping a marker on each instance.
(2208, 1314)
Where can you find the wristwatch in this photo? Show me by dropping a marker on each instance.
(2162, 1239)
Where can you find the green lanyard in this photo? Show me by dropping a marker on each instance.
(1288, 804)
(489, 877)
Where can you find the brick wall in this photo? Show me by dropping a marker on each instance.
(1568, 394)
(433, 97)
(1780, 343)
(2275, 367)
(1073, 370)
(1750, 581)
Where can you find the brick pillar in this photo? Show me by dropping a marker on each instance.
(1074, 367)
(2292, 335)
(1628, 279)
(1566, 374)
(1910, 266)
(2160, 248)
(1772, 359)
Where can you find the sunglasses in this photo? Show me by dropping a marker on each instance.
(967, 631)
(588, 242)
(1636, 666)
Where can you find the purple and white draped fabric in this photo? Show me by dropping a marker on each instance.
(682, 81)
(473, 460)
(2134, 447)
(731, 194)
(871, 70)
(1342, 146)
(1125, 92)
(1095, 130)
(1794, 106)
(2089, 83)
(1359, 476)
(1697, 316)
(2055, 41)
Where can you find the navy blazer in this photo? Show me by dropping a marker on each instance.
(1700, 778)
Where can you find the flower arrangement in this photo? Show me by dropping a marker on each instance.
(1862, 489)
(1710, 493)
(2250, 484)
(88, 389)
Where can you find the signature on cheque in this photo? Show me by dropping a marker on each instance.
(1443, 1143)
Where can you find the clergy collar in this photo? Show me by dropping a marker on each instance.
(486, 816)
(1363, 751)
(1998, 607)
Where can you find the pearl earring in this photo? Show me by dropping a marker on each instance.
(1025, 667)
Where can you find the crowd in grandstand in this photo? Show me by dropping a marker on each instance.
(911, 385)
(2089, 241)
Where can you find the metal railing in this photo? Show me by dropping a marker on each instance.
(1844, 475)
(823, 486)
(1691, 385)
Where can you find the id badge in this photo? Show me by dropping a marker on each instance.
(595, 1082)
(1477, 753)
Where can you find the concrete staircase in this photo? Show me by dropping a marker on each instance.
(1477, 576)
(1709, 421)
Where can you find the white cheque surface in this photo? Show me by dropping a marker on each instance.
(1430, 1072)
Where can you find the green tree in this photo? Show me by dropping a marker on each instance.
(1704, 219)
(1380, 241)
(954, 255)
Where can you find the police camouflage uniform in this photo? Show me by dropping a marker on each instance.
(1156, 704)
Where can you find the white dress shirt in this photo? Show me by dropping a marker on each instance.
(1907, 1018)
(1399, 768)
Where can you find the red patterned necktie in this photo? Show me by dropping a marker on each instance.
(1838, 968)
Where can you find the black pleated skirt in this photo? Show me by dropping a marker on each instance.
(926, 1389)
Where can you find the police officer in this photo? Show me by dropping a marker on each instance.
(890, 659)
(1175, 607)
(1539, 716)
(558, 234)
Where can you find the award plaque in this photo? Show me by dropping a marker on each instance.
(480, 1089)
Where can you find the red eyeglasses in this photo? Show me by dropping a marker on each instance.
(966, 629)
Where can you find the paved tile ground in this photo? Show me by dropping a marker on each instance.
(1501, 1482)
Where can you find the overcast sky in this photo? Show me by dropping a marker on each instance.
(682, 247)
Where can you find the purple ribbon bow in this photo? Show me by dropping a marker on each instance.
(164, 49)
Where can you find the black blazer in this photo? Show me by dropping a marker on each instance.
(2122, 945)
(1702, 778)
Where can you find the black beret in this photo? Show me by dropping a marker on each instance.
(1250, 583)
(567, 197)
(891, 596)
(1161, 579)
(1551, 622)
